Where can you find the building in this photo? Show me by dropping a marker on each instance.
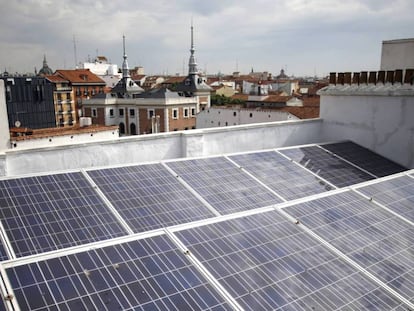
(104, 70)
(397, 54)
(230, 116)
(45, 70)
(137, 112)
(84, 84)
(282, 215)
(64, 101)
(30, 102)
(194, 84)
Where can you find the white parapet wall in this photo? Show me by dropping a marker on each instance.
(4, 121)
(156, 147)
(380, 119)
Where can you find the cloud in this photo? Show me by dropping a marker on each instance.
(304, 35)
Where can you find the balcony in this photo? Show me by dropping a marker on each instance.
(64, 89)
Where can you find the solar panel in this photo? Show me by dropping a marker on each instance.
(266, 263)
(397, 194)
(51, 212)
(365, 158)
(328, 166)
(374, 238)
(149, 196)
(3, 253)
(147, 274)
(284, 177)
(223, 185)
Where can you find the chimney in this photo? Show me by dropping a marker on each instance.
(347, 77)
(332, 78)
(356, 78)
(372, 77)
(4, 120)
(340, 78)
(381, 76)
(390, 76)
(409, 76)
(364, 77)
(398, 76)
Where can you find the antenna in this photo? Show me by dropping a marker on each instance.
(74, 51)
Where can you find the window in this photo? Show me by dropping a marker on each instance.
(150, 113)
(234, 113)
(121, 112)
(251, 115)
(175, 113)
(186, 112)
(111, 113)
(132, 112)
(94, 113)
(8, 93)
(192, 112)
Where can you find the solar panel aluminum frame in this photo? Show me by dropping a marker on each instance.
(191, 189)
(107, 203)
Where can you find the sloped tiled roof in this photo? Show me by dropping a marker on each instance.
(80, 76)
(56, 79)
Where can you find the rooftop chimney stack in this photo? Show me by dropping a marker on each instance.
(372, 77)
(381, 76)
(398, 76)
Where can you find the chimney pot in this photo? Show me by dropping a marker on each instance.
(390, 76)
(347, 77)
(398, 78)
(340, 78)
(409, 76)
(372, 77)
(332, 78)
(356, 78)
(364, 77)
(381, 76)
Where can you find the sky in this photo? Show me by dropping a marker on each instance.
(304, 37)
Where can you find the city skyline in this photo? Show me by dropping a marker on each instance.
(304, 37)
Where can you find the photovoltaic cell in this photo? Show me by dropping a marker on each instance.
(397, 194)
(149, 274)
(328, 166)
(3, 253)
(365, 158)
(268, 263)
(379, 241)
(223, 185)
(149, 196)
(51, 212)
(281, 175)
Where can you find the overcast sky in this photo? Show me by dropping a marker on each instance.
(305, 37)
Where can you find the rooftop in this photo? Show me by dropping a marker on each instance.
(296, 215)
(311, 226)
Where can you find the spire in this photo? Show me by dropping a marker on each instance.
(125, 68)
(44, 61)
(192, 65)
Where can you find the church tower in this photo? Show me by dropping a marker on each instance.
(194, 84)
(126, 87)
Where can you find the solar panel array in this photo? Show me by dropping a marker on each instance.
(223, 185)
(45, 213)
(219, 233)
(149, 196)
(283, 176)
(327, 166)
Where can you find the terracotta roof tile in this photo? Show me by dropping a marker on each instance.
(80, 76)
(172, 80)
(56, 79)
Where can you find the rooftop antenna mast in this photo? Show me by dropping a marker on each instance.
(74, 51)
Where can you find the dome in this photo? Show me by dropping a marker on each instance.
(45, 70)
